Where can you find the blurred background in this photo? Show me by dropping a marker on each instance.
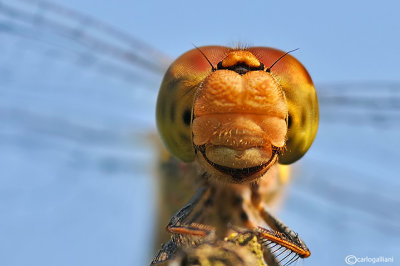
(78, 84)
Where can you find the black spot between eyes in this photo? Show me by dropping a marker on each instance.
(186, 117)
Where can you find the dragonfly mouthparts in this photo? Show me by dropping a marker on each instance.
(244, 174)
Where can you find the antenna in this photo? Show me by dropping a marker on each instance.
(269, 69)
(212, 67)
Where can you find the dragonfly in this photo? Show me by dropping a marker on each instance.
(78, 100)
(228, 113)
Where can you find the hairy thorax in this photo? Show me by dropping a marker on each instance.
(232, 204)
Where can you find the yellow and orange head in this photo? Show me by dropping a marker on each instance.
(238, 117)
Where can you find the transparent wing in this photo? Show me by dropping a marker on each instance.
(77, 104)
(76, 107)
(364, 103)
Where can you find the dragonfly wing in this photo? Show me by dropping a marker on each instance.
(74, 133)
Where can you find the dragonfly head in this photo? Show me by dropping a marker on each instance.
(223, 108)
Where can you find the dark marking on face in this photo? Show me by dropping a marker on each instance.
(289, 121)
(186, 117)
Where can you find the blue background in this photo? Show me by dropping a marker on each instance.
(77, 175)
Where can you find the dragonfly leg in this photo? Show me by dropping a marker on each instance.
(269, 257)
(185, 233)
(167, 251)
(179, 224)
(281, 240)
(284, 232)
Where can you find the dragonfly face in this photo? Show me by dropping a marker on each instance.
(239, 118)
